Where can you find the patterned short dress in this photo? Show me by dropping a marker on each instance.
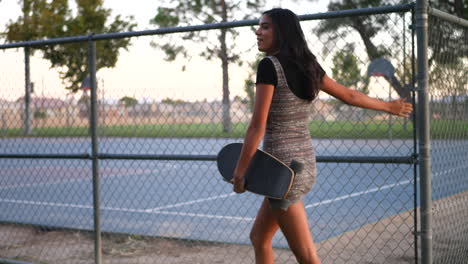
(287, 137)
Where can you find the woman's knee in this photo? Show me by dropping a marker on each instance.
(254, 237)
(259, 240)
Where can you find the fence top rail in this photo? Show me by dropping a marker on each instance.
(449, 17)
(224, 25)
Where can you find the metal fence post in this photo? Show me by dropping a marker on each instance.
(94, 150)
(423, 132)
(27, 93)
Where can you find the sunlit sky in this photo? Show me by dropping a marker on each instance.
(141, 71)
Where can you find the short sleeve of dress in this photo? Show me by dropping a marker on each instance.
(266, 72)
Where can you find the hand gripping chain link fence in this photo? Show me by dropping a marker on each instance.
(139, 185)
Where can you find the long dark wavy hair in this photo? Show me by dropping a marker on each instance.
(293, 46)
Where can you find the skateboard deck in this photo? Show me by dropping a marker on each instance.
(266, 175)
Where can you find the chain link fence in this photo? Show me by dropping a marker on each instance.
(448, 63)
(142, 186)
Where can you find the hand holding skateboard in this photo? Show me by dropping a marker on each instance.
(266, 175)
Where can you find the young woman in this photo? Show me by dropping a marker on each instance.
(288, 80)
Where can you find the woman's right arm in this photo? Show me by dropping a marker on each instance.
(254, 134)
(397, 107)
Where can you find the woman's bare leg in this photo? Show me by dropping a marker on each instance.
(263, 230)
(295, 227)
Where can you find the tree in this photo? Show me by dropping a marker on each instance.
(346, 71)
(53, 19)
(443, 36)
(456, 7)
(171, 101)
(345, 66)
(448, 44)
(367, 27)
(128, 101)
(190, 12)
(249, 83)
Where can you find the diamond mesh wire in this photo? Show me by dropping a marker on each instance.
(180, 211)
(46, 204)
(448, 54)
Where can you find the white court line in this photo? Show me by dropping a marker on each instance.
(448, 171)
(157, 210)
(80, 206)
(357, 194)
(238, 218)
(38, 184)
(27, 185)
(190, 202)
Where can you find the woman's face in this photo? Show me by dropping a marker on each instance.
(266, 40)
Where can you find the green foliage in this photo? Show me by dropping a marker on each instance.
(345, 67)
(367, 27)
(53, 18)
(446, 39)
(40, 19)
(164, 17)
(188, 12)
(249, 83)
(40, 114)
(449, 80)
(193, 12)
(171, 101)
(128, 101)
(456, 7)
(448, 53)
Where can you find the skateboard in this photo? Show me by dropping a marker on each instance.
(266, 175)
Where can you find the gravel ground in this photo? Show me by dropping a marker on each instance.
(387, 241)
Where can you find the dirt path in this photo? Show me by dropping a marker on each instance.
(388, 241)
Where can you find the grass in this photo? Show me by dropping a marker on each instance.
(449, 129)
(331, 129)
(357, 130)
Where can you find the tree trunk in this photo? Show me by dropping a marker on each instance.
(372, 50)
(458, 7)
(373, 53)
(227, 127)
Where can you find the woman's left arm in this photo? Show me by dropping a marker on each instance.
(397, 107)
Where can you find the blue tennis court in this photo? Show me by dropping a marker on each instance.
(188, 199)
